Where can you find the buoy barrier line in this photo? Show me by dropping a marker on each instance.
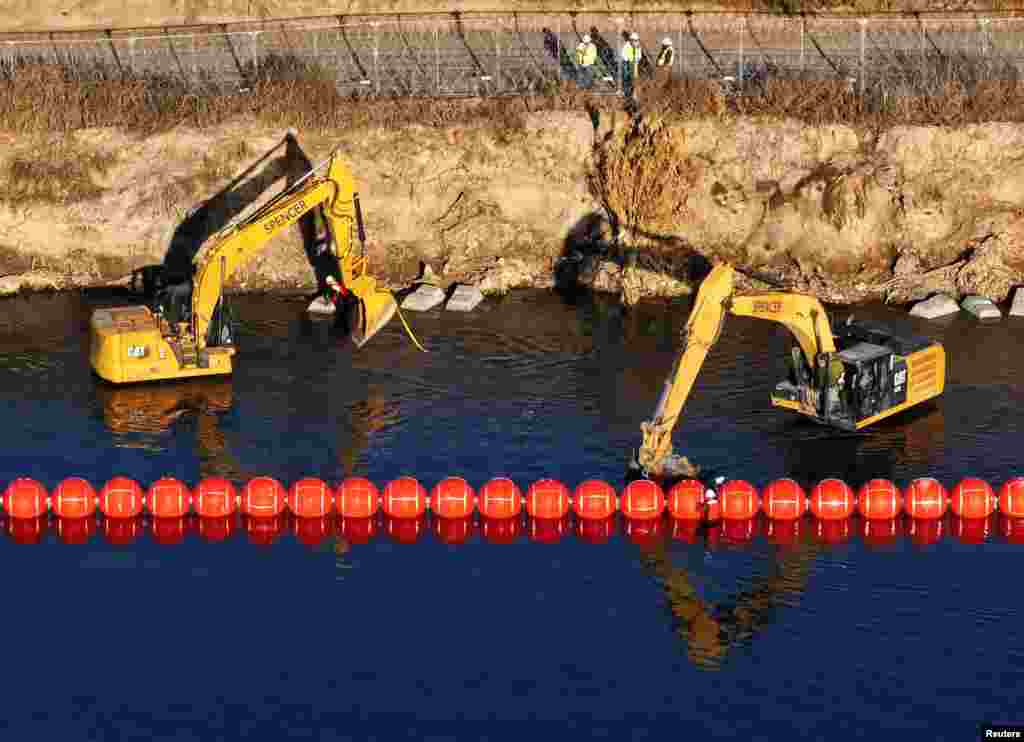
(643, 532)
(453, 497)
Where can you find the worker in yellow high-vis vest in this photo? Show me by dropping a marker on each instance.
(586, 58)
(631, 55)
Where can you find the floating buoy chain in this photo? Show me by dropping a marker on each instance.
(453, 497)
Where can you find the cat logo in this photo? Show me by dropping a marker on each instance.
(771, 307)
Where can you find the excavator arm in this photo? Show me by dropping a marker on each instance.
(802, 315)
(237, 244)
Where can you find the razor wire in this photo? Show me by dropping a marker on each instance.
(452, 55)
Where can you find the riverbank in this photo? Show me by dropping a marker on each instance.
(846, 212)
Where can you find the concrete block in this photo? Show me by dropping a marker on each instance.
(464, 299)
(981, 307)
(424, 298)
(1017, 309)
(322, 306)
(936, 306)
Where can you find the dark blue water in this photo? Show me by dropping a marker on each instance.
(385, 640)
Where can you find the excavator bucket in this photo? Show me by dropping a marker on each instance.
(370, 310)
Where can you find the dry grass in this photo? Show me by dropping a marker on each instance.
(62, 172)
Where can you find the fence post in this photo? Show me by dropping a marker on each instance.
(803, 34)
(497, 59)
(921, 21)
(741, 72)
(131, 54)
(679, 51)
(985, 36)
(437, 61)
(195, 63)
(255, 39)
(558, 47)
(863, 69)
(617, 49)
(376, 55)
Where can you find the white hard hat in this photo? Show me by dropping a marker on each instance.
(586, 38)
(634, 36)
(666, 41)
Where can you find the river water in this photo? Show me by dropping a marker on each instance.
(748, 632)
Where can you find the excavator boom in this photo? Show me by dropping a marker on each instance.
(848, 378)
(132, 344)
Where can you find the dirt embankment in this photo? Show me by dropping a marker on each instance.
(828, 209)
(70, 14)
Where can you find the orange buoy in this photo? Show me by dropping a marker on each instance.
(594, 500)
(686, 500)
(972, 530)
(310, 498)
(879, 499)
(121, 497)
(74, 497)
(167, 498)
(168, 531)
(784, 499)
(214, 530)
(122, 530)
(264, 530)
(925, 498)
(1012, 529)
(453, 531)
(405, 530)
(685, 530)
(737, 531)
(358, 530)
(547, 498)
(311, 531)
(500, 498)
(25, 498)
(452, 497)
(215, 497)
(263, 497)
(594, 531)
(643, 500)
(1011, 498)
(546, 530)
(739, 500)
(784, 532)
(645, 532)
(925, 531)
(75, 531)
(358, 498)
(404, 498)
(972, 498)
(832, 499)
(833, 531)
(878, 533)
(503, 530)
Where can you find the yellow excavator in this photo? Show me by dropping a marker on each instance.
(187, 334)
(848, 376)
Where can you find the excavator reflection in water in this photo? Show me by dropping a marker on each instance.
(155, 409)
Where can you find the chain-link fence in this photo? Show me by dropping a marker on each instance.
(489, 54)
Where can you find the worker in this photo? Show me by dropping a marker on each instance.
(631, 55)
(666, 56)
(586, 58)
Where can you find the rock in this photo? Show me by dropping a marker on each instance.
(464, 299)
(321, 305)
(1017, 310)
(981, 307)
(424, 298)
(940, 305)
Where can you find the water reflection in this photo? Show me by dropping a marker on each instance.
(711, 632)
(140, 416)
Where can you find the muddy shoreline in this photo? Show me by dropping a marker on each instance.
(603, 202)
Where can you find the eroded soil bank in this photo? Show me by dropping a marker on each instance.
(842, 213)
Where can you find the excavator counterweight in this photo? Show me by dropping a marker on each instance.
(848, 377)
